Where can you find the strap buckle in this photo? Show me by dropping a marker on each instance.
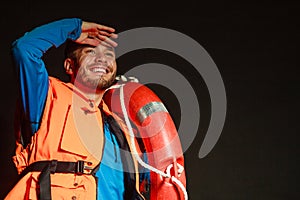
(82, 167)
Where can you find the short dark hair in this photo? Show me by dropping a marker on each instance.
(71, 47)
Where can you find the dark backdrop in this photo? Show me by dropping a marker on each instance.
(254, 46)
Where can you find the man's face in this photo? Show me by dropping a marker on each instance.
(96, 68)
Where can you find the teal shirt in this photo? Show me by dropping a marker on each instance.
(110, 174)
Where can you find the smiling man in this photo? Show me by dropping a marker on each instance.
(69, 144)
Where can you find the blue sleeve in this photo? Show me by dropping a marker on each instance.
(27, 54)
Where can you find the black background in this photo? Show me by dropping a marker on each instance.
(254, 45)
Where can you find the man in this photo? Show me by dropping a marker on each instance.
(70, 145)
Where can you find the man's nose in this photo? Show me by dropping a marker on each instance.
(101, 58)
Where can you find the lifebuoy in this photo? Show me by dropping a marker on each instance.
(159, 134)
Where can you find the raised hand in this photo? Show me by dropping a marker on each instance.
(94, 34)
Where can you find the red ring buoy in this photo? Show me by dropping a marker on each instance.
(159, 135)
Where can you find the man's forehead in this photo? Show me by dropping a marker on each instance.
(106, 46)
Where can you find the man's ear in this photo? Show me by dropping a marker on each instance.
(68, 65)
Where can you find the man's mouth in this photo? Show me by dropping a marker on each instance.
(99, 69)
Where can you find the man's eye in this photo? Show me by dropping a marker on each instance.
(108, 54)
(91, 51)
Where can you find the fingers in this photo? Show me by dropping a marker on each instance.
(99, 39)
(105, 34)
(112, 35)
(91, 41)
(107, 40)
(107, 31)
(105, 28)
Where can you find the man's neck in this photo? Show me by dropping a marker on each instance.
(92, 94)
(96, 96)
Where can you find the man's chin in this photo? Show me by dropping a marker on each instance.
(104, 84)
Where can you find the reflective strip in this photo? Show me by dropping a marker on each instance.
(150, 108)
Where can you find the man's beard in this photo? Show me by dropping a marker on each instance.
(94, 84)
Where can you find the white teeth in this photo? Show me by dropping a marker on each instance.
(98, 70)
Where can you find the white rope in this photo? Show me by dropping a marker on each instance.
(180, 169)
(174, 179)
(135, 153)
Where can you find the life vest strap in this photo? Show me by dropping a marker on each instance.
(47, 167)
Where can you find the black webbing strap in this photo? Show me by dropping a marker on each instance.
(48, 167)
(44, 182)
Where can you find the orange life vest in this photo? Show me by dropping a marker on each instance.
(60, 137)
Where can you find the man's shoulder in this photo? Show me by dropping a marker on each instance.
(58, 85)
(56, 81)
